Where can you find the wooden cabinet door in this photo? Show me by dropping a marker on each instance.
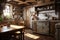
(39, 28)
(43, 27)
(34, 26)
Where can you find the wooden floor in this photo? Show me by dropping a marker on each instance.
(29, 35)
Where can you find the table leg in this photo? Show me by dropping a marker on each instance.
(21, 37)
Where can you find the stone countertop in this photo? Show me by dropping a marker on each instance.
(47, 20)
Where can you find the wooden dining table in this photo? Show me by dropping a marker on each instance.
(6, 32)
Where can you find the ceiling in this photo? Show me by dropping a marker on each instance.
(22, 2)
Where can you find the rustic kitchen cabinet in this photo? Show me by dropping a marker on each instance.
(41, 27)
(45, 27)
(34, 26)
(52, 26)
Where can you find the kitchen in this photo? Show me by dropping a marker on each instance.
(40, 16)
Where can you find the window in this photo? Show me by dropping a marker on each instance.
(7, 12)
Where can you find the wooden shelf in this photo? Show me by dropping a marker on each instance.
(45, 8)
(43, 4)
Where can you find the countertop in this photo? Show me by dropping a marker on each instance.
(47, 20)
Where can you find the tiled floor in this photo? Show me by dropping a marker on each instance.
(29, 35)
